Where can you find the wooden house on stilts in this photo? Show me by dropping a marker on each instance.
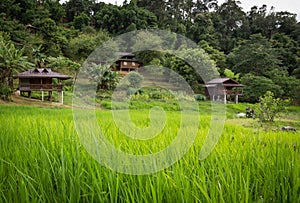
(126, 63)
(222, 89)
(41, 79)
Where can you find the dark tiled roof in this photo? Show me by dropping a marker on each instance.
(224, 82)
(129, 60)
(219, 80)
(125, 54)
(41, 73)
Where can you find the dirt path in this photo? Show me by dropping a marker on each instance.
(19, 100)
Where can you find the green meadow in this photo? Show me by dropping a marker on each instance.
(42, 159)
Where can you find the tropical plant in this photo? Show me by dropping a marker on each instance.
(12, 60)
(103, 76)
(39, 57)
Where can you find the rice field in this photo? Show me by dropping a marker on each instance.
(42, 159)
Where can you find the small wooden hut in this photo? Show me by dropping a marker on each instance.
(41, 79)
(126, 63)
(223, 89)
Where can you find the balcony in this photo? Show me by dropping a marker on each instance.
(40, 87)
(234, 92)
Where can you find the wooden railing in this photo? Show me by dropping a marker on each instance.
(40, 87)
(234, 92)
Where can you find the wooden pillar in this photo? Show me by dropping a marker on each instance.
(58, 96)
(225, 96)
(50, 96)
(42, 95)
(236, 98)
(61, 97)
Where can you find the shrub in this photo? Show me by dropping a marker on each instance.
(270, 107)
(131, 91)
(143, 97)
(200, 97)
(183, 96)
(135, 80)
(157, 93)
(104, 94)
(5, 92)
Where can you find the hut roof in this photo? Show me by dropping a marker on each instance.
(227, 82)
(31, 27)
(122, 54)
(41, 73)
(127, 56)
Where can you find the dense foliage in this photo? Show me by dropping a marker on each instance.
(262, 44)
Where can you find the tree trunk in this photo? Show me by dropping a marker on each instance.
(10, 80)
(4, 75)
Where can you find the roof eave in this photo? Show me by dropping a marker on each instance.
(42, 76)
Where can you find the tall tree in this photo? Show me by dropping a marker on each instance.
(74, 8)
(158, 7)
(257, 86)
(107, 18)
(118, 20)
(255, 55)
(231, 19)
(288, 51)
(202, 28)
(262, 21)
(204, 6)
(286, 22)
(56, 10)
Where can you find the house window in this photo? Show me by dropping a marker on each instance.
(125, 63)
(133, 64)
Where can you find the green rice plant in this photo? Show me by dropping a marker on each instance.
(42, 159)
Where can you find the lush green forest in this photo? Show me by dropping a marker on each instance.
(260, 48)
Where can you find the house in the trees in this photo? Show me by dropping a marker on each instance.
(222, 89)
(41, 79)
(31, 28)
(126, 63)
